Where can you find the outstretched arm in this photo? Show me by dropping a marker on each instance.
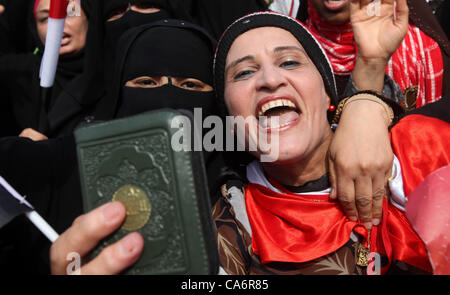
(360, 154)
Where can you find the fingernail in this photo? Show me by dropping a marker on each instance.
(111, 212)
(368, 225)
(353, 218)
(376, 221)
(129, 245)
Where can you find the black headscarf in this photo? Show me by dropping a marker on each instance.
(114, 29)
(16, 27)
(167, 48)
(216, 15)
(273, 19)
(104, 35)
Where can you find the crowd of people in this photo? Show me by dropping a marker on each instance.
(349, 88)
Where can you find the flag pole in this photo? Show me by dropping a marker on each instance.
(49, 63)
(42, 225)
(55, 31)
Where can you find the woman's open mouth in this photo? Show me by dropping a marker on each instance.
(277, 113)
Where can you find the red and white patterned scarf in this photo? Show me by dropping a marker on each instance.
(417, 63)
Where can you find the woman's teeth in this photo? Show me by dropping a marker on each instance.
(279, 113)
(275, 104)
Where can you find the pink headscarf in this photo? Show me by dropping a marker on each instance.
(36, 3)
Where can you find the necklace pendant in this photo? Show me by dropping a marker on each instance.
(363, 256)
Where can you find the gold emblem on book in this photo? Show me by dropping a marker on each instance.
(137, 205)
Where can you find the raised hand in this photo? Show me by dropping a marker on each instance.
(379, 26)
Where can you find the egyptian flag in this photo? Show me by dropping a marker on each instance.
(55, 30)
(296, 228)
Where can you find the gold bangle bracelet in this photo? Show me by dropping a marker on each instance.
(362, 96)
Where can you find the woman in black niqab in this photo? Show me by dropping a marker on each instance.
(167, 64)
(158, 71)
(111, 18)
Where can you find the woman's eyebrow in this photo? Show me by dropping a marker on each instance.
(238, 61)
(43, 11)
(286, 48)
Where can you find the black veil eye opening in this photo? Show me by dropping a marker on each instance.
(136, 6)
(144, 5)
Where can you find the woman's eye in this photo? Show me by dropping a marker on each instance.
(42, 17)
(289, 64)
(146, 82)
(190, 85)
(242, 74)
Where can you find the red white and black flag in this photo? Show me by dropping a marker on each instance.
(11, 203)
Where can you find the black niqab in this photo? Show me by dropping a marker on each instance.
(167, 48)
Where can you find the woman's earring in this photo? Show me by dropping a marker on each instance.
(331, 108)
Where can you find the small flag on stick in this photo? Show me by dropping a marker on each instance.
(55, 30)
(12, 204)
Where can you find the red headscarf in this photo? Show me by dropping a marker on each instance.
(416, 63)
(36, 3)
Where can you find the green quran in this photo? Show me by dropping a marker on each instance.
(165, 192)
